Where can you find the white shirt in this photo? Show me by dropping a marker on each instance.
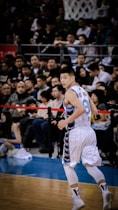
(102, 77)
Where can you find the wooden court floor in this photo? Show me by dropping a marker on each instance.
(29, 193)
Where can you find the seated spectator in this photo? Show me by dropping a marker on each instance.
(89, 50)
(30, 88)
(93, 31)
(43, 65)
(114, 76)
(101, 67)
(101, 121)
(19, 98)
(98, 75)
(56, 134)
(41, 85)
(27, 73)
(13, 83)
(81, 62)
(53, 69)
(65, 62)
(40, 124)
(111, 143)
(82, 76)
(26, 123)
(103, 31)
(10, 137)
(72, 50)
(57, 49)
(5, 72)
(102, 86)
(49, 34)
(111, 51)
(55, 80)
(5, 93)
(83, 28)
(17, 68)
(38, 32)
(35, 64)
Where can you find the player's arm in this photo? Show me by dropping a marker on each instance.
(71, 98)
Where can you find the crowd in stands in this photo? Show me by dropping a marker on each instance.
(35, 81)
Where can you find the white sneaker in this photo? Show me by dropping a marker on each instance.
(107, 200)
(78, 204)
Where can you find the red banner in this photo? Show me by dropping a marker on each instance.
(7, 49)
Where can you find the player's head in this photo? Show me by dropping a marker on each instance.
(67, 77)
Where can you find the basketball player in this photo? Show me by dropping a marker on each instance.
(80, 139)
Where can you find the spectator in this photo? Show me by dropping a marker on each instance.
(53, 69)
(114, 75)
(40, 124)
(13, 84)
(98, 75)
(89, 50)
(65, 62)
(27, 73)
(57, 49)
(5, 72)
(30, 88)
(5, 93)
(26, 124)
(41, 85)
(83, 28)
(93, 32)
(10, 134)
(56, 134)
(101, 67)
(72, 51)
(103, 30)
(63, 26)
(102, 86)
(39, 32)
(82, 76)
(55, 80)
(101, 121)
(35, 64)
(49, 34)
(20, 98)
(81, 62)
(43, 65)
(19, 62)
(111, 51)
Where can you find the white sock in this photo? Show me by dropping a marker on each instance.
(75, 192)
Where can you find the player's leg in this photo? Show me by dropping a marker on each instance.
(100, 180)
(73, 183)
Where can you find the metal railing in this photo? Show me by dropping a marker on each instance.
(48, 50)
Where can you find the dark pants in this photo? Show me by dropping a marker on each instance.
(40, 129)
(27, 132)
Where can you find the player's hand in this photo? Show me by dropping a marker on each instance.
(62, 124)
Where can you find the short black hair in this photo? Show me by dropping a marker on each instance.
(46, 94)
(42, 77)
(59, 87)
(93, 66)
(68, 70)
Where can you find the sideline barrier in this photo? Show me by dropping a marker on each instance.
(37, 108)
(111, 112)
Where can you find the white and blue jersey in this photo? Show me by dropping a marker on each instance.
(80, 138)
(84, 119)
